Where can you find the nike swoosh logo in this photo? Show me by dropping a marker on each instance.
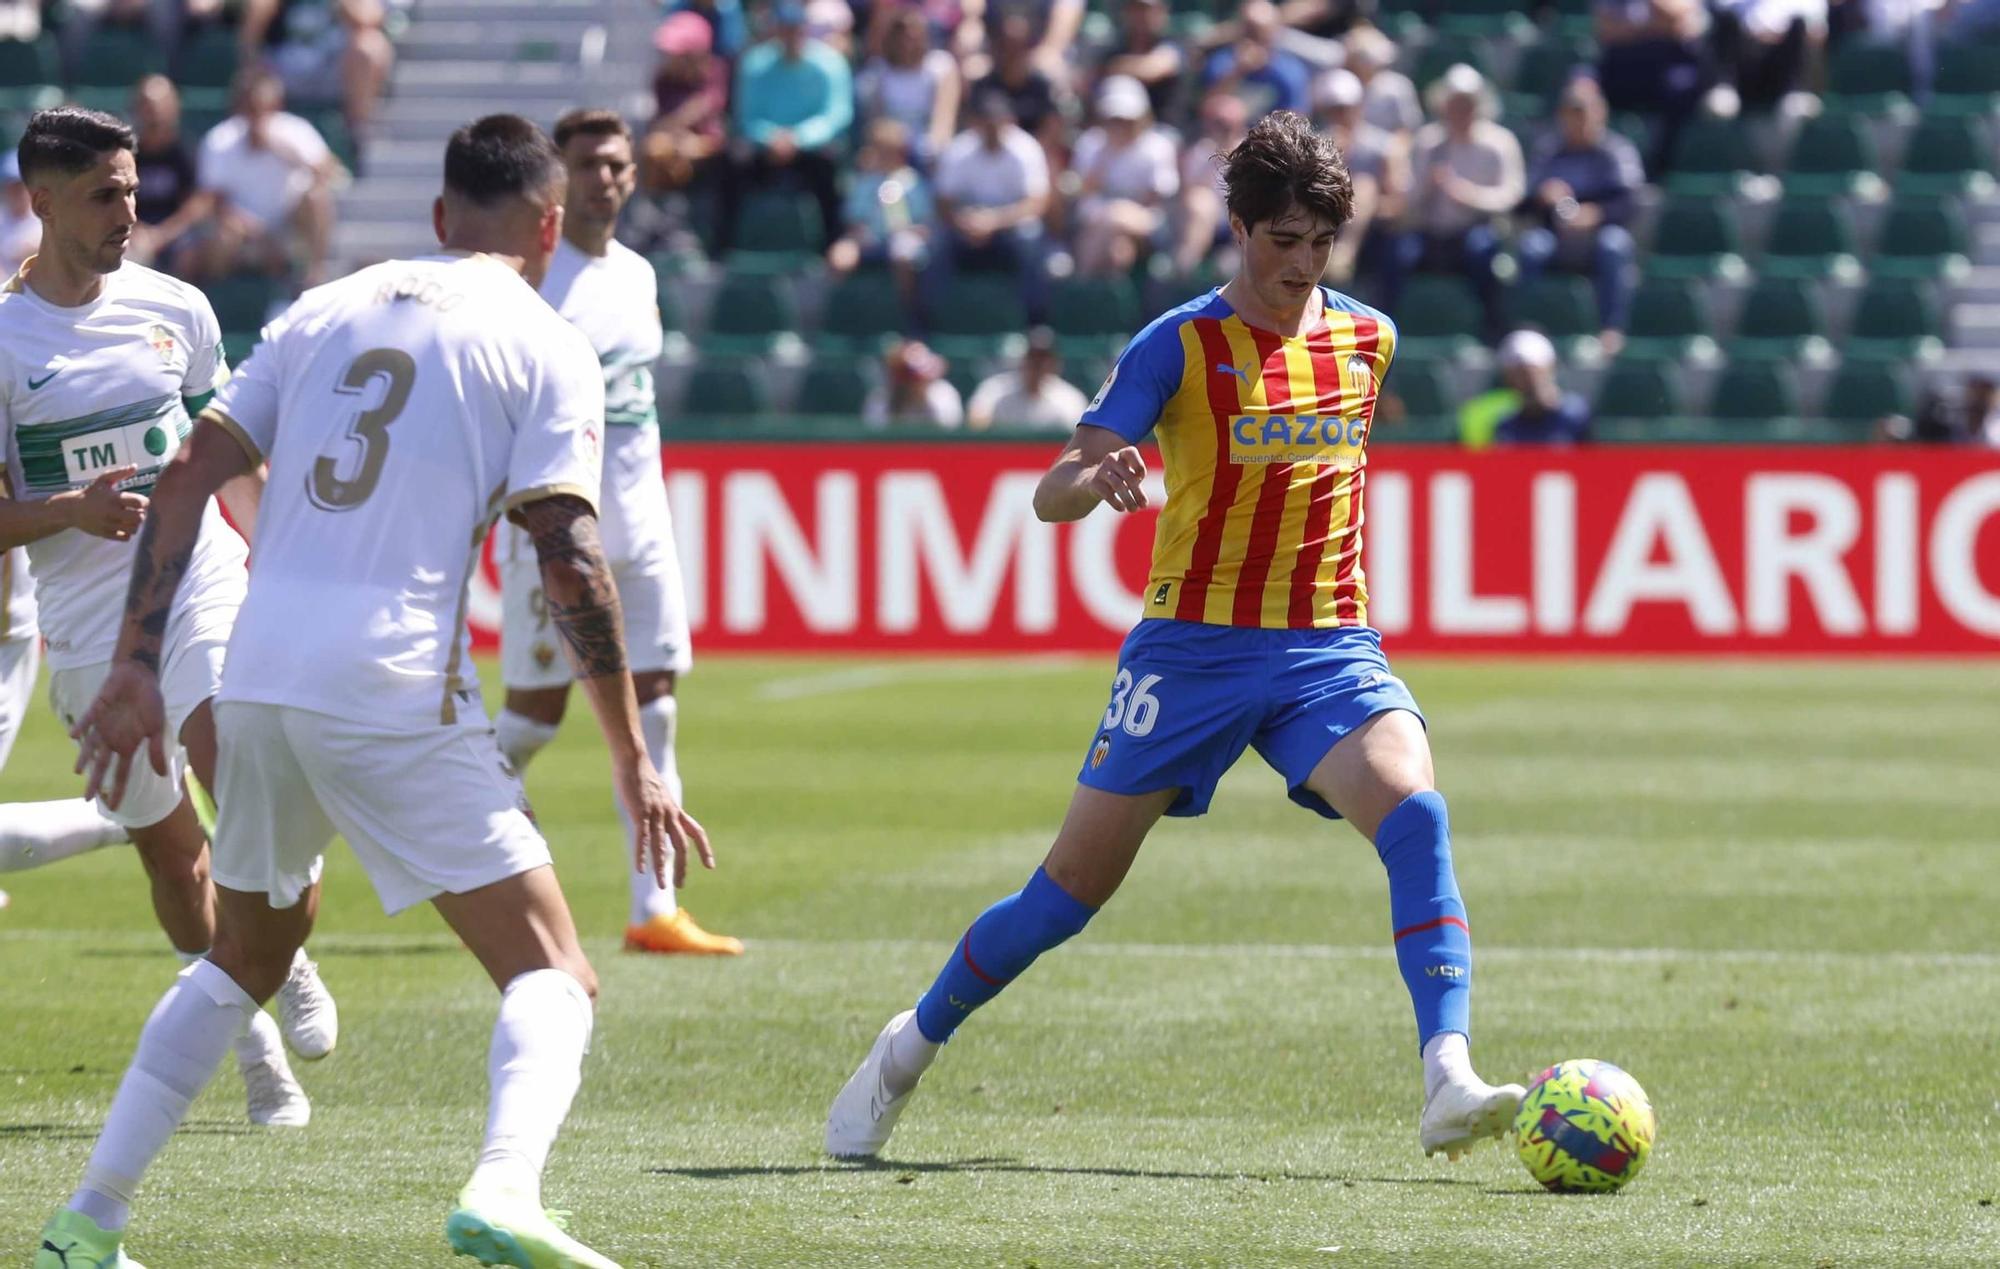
(34, 383)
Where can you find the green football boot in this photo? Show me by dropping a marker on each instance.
(72, 1240)
(500, 1227)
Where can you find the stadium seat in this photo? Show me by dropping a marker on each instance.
(1755, 391)
(749, 311)
(242, 300)
(779, 223)
(1866, 78)
(1895, 319)
(1640, 388)
(1695, 238)
(1439, 314)
(980, 305)
(835, 386)
(1485, 18)
(725, 389)
(1562, 306)
(1424, 388)
(1446, 51)
(667, 292)
(29, 64)
(1967, 81)
(1780, 317)
(1668, 319)
(1712, 156)
(1946, 154)
(1548, 64)
(1831, 155)
(236, 345)
(1808, 237)
(116, 57)
(1867, 390)
(862, 309)
(207, 58)
(1922, 238)
(1081, 307)
(333, 129)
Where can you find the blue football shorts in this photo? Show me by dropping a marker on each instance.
(1189, 698)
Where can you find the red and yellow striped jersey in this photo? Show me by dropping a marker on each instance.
(1265, 443)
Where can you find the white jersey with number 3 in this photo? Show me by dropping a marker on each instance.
(400, 408)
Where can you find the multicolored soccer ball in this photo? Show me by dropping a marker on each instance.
(1584, 1126)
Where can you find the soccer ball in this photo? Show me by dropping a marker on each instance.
(1586, 1126)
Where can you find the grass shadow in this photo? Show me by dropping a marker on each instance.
(89, 1132)
(991, 1164)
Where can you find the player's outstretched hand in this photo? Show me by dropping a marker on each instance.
(127, 713)
(664, 832)
(104, 511)
(1118, 479)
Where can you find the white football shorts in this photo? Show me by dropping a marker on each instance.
(190, 674)
(656, 625)
(427, 810)
(19, 659)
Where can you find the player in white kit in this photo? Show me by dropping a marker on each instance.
(33, 833)
(100, 360)
(608, 291)
(400, 409)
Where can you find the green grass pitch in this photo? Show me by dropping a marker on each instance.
(1767, 891)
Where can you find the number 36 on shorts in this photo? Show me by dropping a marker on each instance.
(1133, 705)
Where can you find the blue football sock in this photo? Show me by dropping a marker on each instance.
(1005, 940)
(1433, 942)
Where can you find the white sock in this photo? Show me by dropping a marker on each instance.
(178, 1052)
(535, 1065)
(258, 1039)
(656, 722)
(37, 833)
(521, 737)
(1447, 1060)
(909, 1056)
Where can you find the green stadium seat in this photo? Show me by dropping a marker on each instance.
(207, 58)
(1895, 319)
(116, 57)
(236, 345)
(1712, 156)
(339, 138)
(1967, 81)
(1807, 238)
(29, 63)
(1640, 388)
(778, 222)
(1755, 391)
(1832, 154)
(112, 99)
(1780, 317)
(1562, 306)
(1485, 18)
(1546, 65)
(1867, 390)
(1921, 237)
(1695, 238)
(1668, 318)
(1866, 78)
(1446, 51)
(749, 312)
(17, 104)
(862, 309)
(242, 300)
(726, 389)
(1424, 388)
(667, 293)
(834, 386)
(981, 305)
(1946, 154)
(1439, 314)
(1081, 307)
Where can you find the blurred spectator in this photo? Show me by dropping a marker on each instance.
(992, 192)
(1466, 172)
(1652, 60)
(1202, 220)
(794, 104)
(832, 23)
(1255, 68)
(1547, 414)
(20, 19)
(1029, 90)
(1378, 163)
(954, 26)
(272, 176)
(1389, 99)
(914, 391)
(162, 20)
(1765, 46)
(331, 51)
(1971, 417)
(1129, 170)
(1580, 192)
(912, 83)
(729, 30)
(1036, 395)
(171, 201)
(20, 228)
(1052, 29)
(1146, 54)
(1972, 20)
(691, 101)
(888, 211)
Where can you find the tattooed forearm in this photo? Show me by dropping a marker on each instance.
(576, 579)
(157, 569)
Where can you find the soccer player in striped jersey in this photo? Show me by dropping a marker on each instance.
(1255, 634)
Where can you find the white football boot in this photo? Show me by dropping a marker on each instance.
(1462, 1113)
(864, 1114)
(274, 1096)
(306, 1013)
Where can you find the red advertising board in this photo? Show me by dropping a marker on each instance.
(933, 548)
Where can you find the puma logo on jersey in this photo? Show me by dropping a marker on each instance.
(1224, 368)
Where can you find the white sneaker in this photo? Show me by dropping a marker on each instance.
(275, 1098)
(864, 1114)
(307, 1015)
(1459, 1115)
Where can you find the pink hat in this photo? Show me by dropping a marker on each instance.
(684, 32)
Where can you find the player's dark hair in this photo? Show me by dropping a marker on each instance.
(1285, 163)
(69, 139)
(497, 158)
(590, 121)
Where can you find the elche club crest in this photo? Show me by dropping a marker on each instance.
(163, 342)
